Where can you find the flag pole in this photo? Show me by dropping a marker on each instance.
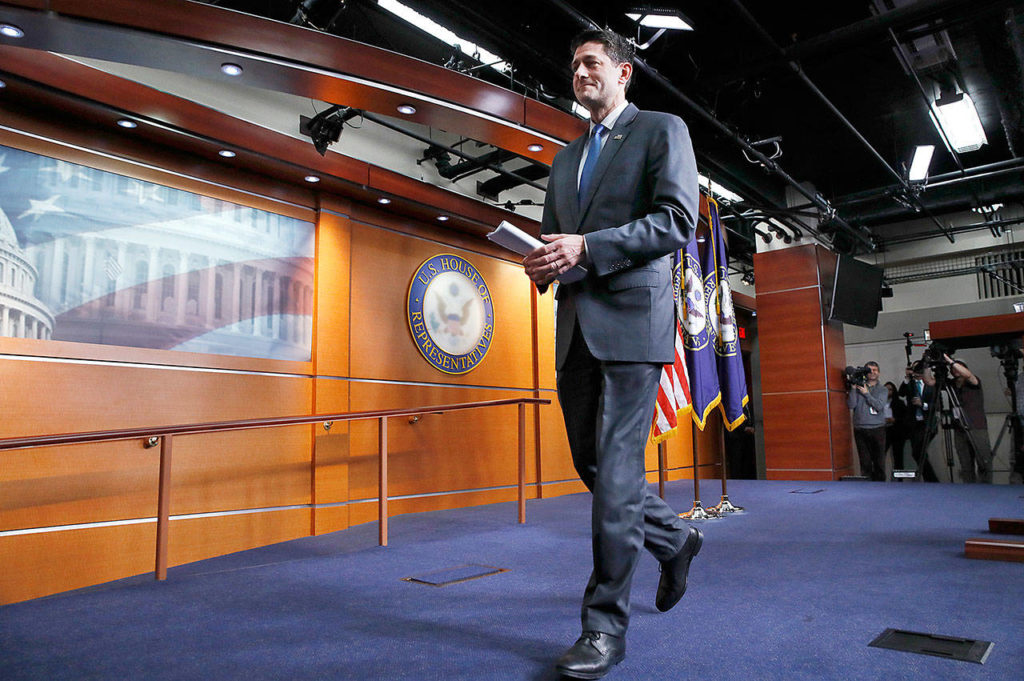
(698, 512)
(725, 506)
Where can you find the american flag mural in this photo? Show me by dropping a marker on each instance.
(91, 256)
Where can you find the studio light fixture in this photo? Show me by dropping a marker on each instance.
(424, 23)
(226, 153)
(406, 109)
(231, 69)
(2, 85)
(536, 147)
(957, 116)
(718, 190)
(660, 17)
(442, 218)
(919, 165)
(312, 179)
(325, 128)
(125, 123)
(383, 200)
(11, 31)
(987, 210)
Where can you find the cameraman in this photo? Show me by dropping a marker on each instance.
(867, 399)
(968, 388)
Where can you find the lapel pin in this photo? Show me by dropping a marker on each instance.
(617, 137)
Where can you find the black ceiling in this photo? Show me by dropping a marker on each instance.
(749, 72)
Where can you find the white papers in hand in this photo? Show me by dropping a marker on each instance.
(516, 240)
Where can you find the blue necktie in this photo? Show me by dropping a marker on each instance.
(593, 151)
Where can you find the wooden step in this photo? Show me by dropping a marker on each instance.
(994, 549)
(1006, 525)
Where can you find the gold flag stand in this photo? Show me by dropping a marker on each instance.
(698, 512)
(725, 506)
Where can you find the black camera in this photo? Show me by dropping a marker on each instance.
(1008, 350)
(857, 375)
(934, 354)
(933, 357)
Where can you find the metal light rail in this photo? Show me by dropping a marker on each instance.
(163, 436)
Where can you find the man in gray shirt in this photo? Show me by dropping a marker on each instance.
(868, 405)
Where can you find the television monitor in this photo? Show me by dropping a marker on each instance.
(856, 292)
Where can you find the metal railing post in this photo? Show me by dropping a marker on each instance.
(661, 468)
(382, 490)
(522, 463)
(163, 507)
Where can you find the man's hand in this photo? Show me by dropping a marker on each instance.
(560, 254)
(862, 389)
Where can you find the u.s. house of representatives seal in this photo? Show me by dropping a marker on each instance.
(450, 313)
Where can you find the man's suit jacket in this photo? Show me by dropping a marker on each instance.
(909, 391)
(640, 207)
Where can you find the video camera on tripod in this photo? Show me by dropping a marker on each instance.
(947, 410)
(1008, 353)
(934, 358)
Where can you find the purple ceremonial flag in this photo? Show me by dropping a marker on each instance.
(697, 330)
(724, 332)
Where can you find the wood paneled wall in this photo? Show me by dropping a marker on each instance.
(80, 515)
(807, 429)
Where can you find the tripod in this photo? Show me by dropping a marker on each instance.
(1013, 422)
(948, 411)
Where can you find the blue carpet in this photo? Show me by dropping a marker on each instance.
(794, 589)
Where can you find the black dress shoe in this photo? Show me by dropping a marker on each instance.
(592, 656)
(672, 584)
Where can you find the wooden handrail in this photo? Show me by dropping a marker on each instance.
(192, 428)
(163, 435)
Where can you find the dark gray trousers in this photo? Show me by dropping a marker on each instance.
(983, 449)
(871, 450)
(608, 407)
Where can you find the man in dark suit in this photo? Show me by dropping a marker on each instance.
(619, 201)
(918, 388)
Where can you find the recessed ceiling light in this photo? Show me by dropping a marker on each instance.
(312, 178)
(2, 84)
(407, 109)
(442, 218)
(384, 200)
(11, 31)
(231, 69)
(227, 153)
(125, 123)
(536, 147)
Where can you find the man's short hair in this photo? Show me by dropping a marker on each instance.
(872, 364)
(620, 50)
